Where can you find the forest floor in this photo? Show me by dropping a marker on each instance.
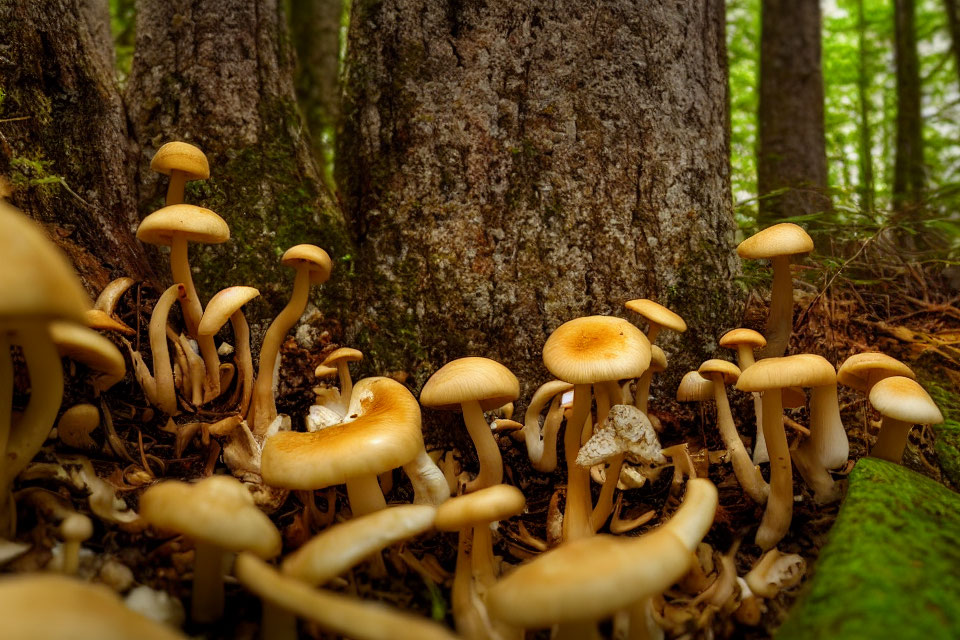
(903, 311)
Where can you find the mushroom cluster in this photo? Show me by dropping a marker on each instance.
(586, 570)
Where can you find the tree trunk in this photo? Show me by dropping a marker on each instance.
(63, 138)
(315, 25)
(908, 169)
(866, 187)
(792, 157)
(953, 23)
(511, 166)
(220, 75)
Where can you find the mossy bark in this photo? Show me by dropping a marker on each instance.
(63, 139)
(889, 568)
(220, 76)
(511, 166)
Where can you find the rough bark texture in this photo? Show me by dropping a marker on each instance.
(63, 138)
(315, 25)
(953, 23)
(792, 156)
(220, 75)
(908, 169)
(866, 187)
(510, 166)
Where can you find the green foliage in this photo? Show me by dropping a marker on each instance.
(123, 24)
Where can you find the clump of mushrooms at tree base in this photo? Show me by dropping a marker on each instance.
(665, 580)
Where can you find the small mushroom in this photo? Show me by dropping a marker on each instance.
(228, 303)
(542, 442)
(863, 370)
(341, 358)
(75, 425)
(745, 341)
(183, 162)
(903, 403)
(658, 316)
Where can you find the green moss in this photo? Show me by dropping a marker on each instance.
(891, 568)
(947, 446)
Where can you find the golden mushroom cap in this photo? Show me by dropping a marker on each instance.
(480, 507)
(784, 239)
(595, 349)
(801, 370)
(467, 379)
(903, 399)
(222, 305)
(343, 354)
(310, 257)
(657, 313)
(694, 388)
(728, 370)
(86, 346)
(196, 223)
(381, 432)
(862, 370)
(736, 337)
(183, 157)
(36, 280)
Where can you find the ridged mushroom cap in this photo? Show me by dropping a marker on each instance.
(183, 157)
(343, 354)
(340, 547)
(88, 347)
(222, 305)
(903, 399)
(36, 281)
(735, 338)
(596, 349)
(657, 313)
(862, 370)
(801, 370)
(48, 606)
(784, 239)
(694, 388)
(381, 433)
(310, 257)
(218, 510)
(480, 507)
(730, 371)
(196, 223)
(466, 379)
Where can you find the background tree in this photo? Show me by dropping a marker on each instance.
(63, 136)
(908, 173)
(509, 167)
(792, 161)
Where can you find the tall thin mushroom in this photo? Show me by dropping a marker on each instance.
(228, 303)
(183, 162)
(745, 341)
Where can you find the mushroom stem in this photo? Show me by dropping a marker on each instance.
(747, 474)
(176, 188)
(469, 615)
(576, 517)
(241, 336)
(166, 393)
(653, 331)
(602, 396)
(276, 623)
(365, 495)
(208, 593)
(491, 464)
(779, 511)
(643, 626)
(346, 383)
(429, 484)
(542, 443)
(892, 439)
(780, 319)
(192, 312)
(604, 506)
(482, 561)
(760, 454)
(196, 369)
(263, 408)
(643, 390)
(828, 440)
(6, 393)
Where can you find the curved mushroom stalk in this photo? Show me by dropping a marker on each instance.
(491, 463)
(779, 324)
(576, 517)
(760, 454)
(779, 511)
(542, 443)
(429, 484)
(747, 474)
(158, 386)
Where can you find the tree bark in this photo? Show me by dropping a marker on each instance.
(866, 187)
(63, 138)
(510, 166)
(953, 23)
(792, 157)
(315, 26)
(909, 174)
(220, 75)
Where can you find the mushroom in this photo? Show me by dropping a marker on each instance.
(175, 226)
(88, 347)
(75, 425)
(775, 571)
(381, 432)
(658, 364)
(101, 321)
(828, 446)
(745, 341)
(472, 386)
(863, 370)
(340, 358)
(588, 579)
(37, 285)
(159, 385)
(336, 613)
(75, 528)
(903, 403)
(779, 244)
(542, 442)
(588, 351)
(219, 515)
(313, 266)
(658, 316)
(471, 515)
(770, 376)
(111, 294)
(228, 303)
(721, 373)
(45, 606)
(182, 162)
